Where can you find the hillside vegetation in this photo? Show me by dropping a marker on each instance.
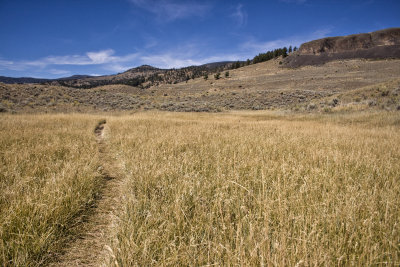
(355, 84)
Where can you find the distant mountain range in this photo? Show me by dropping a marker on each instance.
(144, 75)
(11, 80)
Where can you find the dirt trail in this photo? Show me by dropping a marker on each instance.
(91, 247)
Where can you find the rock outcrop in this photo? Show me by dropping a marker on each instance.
(375, 45)
(387, 37)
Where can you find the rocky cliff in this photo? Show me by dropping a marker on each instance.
(387, 37)
(375, 45)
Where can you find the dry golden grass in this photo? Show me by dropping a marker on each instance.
(48, 177)
(258, 189)
(240, 188)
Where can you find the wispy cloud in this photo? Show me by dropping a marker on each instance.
(8, 65)
(106, 60)
(240, 15)
(59, 72)
(103, 57)
(254, 46)
(119, 67)
(168, 60)
(169, 10)
(91, 58)
(193, 52)
(175, 60)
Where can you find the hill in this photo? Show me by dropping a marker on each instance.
(338, 85)
(146, 76)
(143, 76)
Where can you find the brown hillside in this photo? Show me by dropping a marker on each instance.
(267, 85)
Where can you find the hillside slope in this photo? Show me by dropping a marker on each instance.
(266, 85)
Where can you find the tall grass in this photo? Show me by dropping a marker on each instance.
(246, 188)
(259, 189)
(48, 177)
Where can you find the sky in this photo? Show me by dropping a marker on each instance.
(60, 38)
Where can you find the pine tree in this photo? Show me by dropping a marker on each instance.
(284, 52)
(290, 49)
(227, 74)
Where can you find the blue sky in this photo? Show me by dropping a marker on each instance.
(58, 38)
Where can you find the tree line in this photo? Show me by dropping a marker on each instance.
(273, 54)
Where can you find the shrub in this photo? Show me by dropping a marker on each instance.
(2, 108)
(311, 106)
(334, 102)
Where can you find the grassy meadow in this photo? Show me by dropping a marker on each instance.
(239, 188)
(254, 189)
(48, 177)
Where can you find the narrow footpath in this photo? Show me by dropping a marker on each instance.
(91, 247)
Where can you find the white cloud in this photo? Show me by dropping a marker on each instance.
(60, 60)
(169, 10)
(103, 57)
(240, 15)
(8, 65)
(91, 58)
